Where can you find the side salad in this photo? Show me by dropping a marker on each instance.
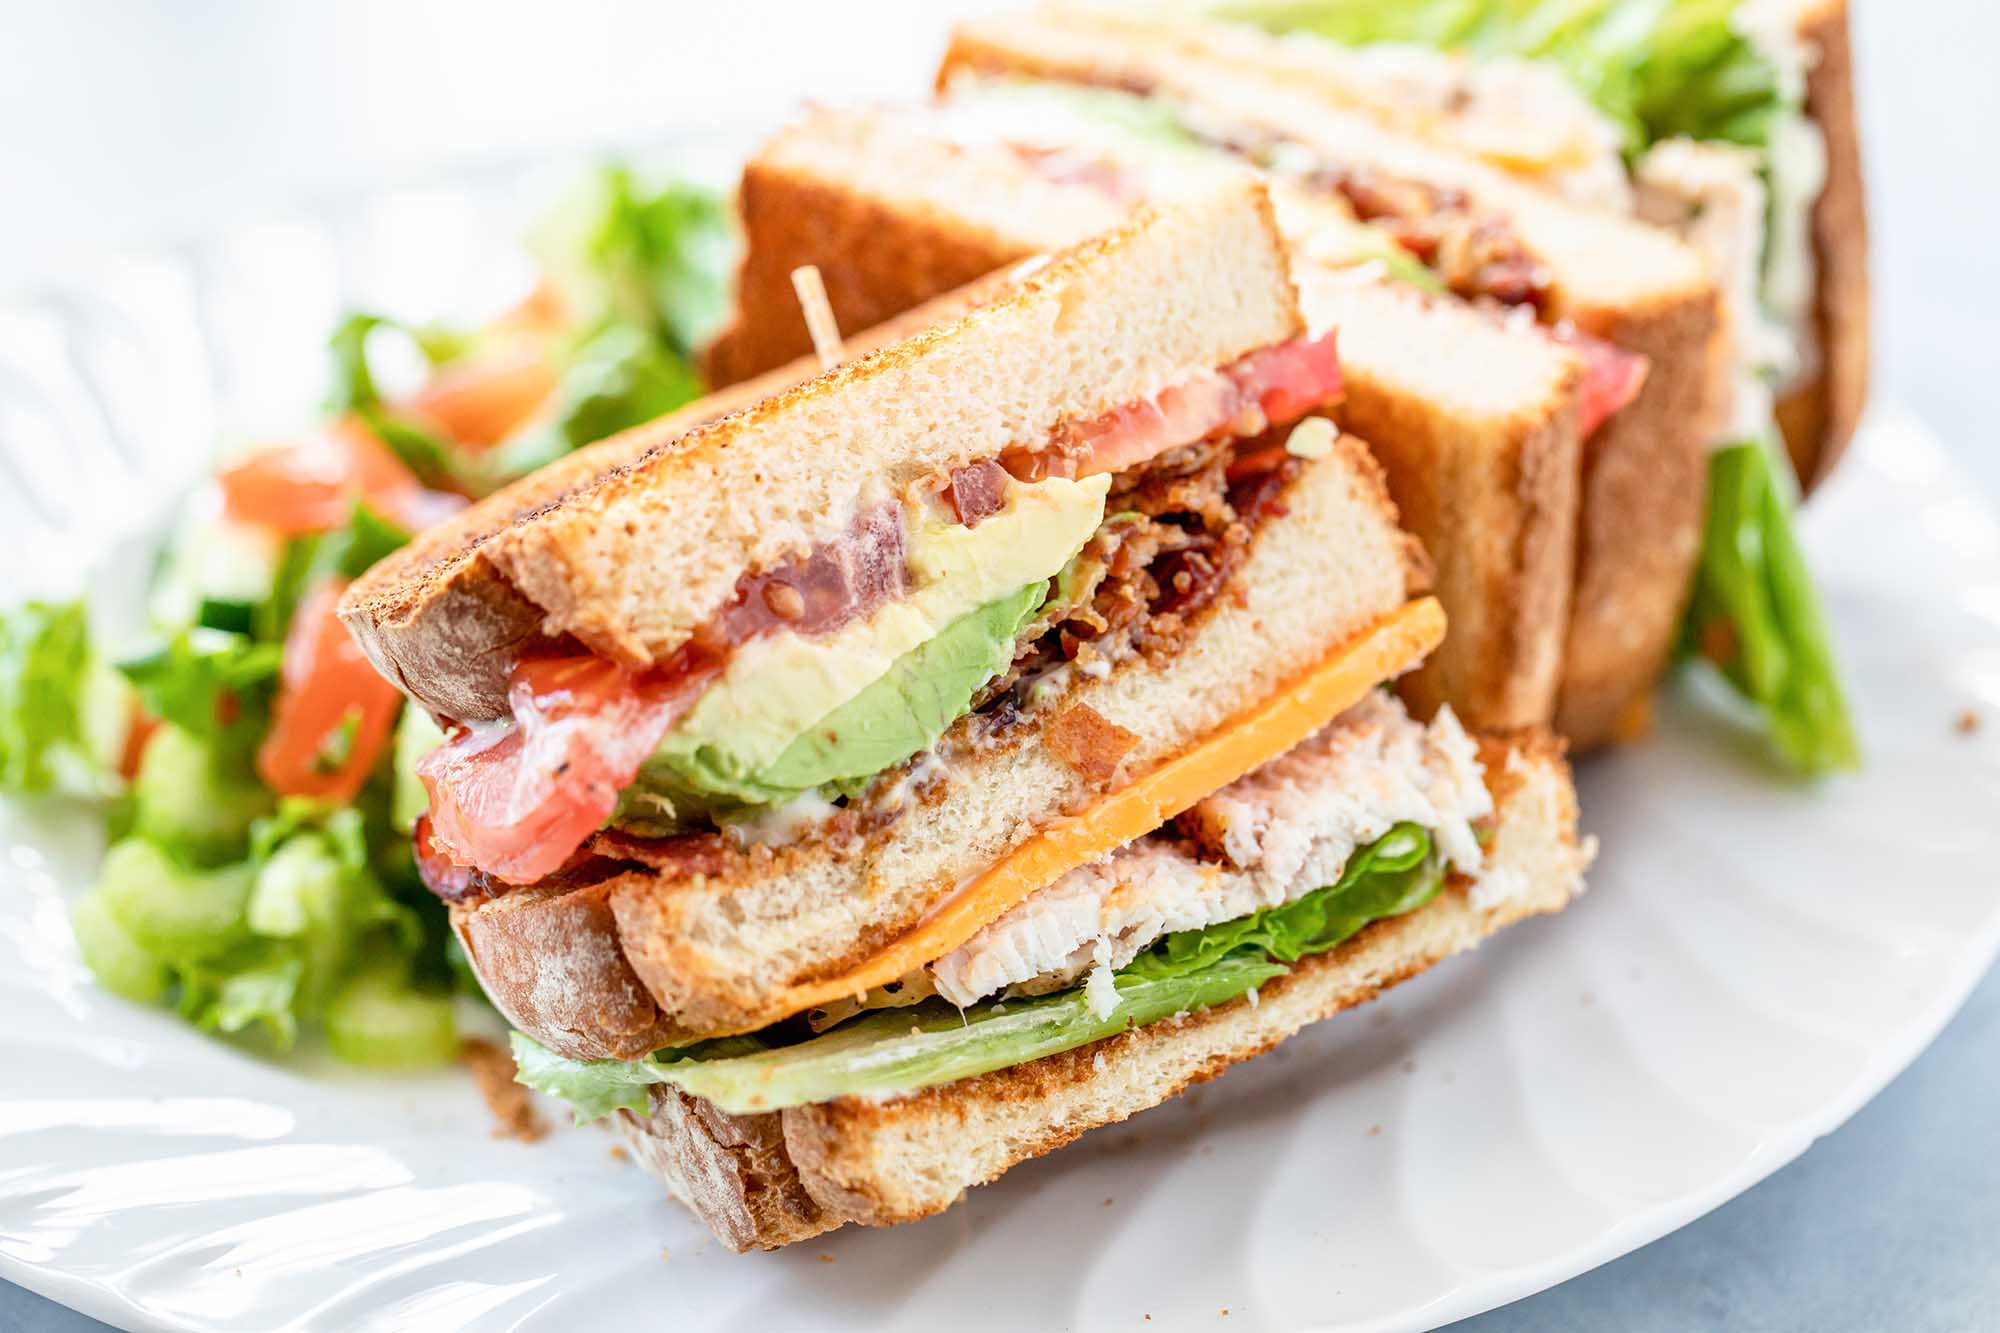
(254, 769)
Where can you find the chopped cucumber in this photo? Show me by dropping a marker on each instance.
(379, 1019)
(184, 802)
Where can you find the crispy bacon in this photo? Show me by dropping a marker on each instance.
(977, 491)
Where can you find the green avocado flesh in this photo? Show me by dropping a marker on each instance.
(899, 715)
(897, 1051)
(795, 715)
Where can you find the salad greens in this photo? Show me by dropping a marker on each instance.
(1755, 615)
(896, 1051)
(264, 915)
(62, 712)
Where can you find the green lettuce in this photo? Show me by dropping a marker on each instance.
(1658, 68)
(63, 715)
(652, 258)
(893, 1050)
(1755, 616)
(1392, 875)
(898, 1051)
(211, 684)
(302, 931)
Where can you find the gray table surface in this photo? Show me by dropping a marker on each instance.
(1891, 1222)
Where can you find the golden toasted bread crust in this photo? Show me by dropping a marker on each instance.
(1495, 503)
(1645, 478)
(879, 1163)
(1819, 416)
(730, 1169)
(876, 262)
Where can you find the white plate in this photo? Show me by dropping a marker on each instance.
(1753, 962)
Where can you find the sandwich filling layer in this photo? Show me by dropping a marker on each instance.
(972, 590)
(1362, 822)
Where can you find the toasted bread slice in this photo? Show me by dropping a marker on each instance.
(1819, 415)
(763, 1181)
(645, 958)
(630, 558)
(1644, 471)
(1474, 423)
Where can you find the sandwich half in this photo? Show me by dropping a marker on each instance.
(773, 704)
(1136, 815)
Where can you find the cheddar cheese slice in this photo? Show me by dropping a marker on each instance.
(1392, 646)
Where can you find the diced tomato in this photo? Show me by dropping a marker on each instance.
(543, 312)
(516, 798)
(1612, 376)
(1293, 378)
(311, 486)
(481, 400)
(137, 733)
(333, 714)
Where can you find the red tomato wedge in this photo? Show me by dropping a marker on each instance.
(138, 732)
(1291, 379)
(515, 798)
(1612, 376)
(311, 486)
(1283, 382)
(479, 401)
(333, 714)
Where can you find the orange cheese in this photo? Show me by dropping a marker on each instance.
(1392, 646)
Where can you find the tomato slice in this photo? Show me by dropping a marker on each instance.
(516, 798)
(1292, 378)
(333, 714)
(481, 400)
(310, 486)
(1612, 376)
(1284, 382)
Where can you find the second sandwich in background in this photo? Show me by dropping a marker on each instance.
(1565, 536)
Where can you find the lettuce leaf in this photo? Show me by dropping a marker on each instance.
(1658, 68)
(891, 1051)
(1392, 875)
(1754, 614)
(896, 1051)
(651, 258)
(62, 714)
(272, 943)
(212, 684)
